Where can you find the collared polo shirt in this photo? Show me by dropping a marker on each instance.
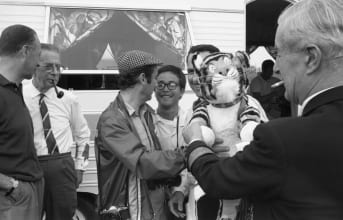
(18, 158)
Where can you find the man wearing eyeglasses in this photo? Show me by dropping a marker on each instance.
(21, 182)
(57, 122)
(170, 121)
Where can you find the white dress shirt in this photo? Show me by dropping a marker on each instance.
(67, 122)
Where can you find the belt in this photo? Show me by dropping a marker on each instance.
(54, 156)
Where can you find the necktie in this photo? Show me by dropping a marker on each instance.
(49, 136)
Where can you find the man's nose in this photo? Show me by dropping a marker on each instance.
(55, 70)
(165, 88)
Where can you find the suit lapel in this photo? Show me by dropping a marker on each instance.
(326, 97)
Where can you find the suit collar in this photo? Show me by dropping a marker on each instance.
(323, 98)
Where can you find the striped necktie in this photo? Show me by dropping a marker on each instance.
(49, 136)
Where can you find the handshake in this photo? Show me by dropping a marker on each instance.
(168, 182)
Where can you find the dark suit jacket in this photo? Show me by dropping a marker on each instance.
(292, 170)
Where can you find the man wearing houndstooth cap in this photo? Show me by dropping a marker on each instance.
(133, 170)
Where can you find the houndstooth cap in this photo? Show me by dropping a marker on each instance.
(135, 59)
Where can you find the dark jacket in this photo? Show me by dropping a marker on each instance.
(292, 170)
(121, 153)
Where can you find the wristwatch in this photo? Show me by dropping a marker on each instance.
(15, 184)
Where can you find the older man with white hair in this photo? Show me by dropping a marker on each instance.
(292, 168)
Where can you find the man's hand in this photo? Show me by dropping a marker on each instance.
(175, 204)
(79, 177)
(218, 146)
(193, 131)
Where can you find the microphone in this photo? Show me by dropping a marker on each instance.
(59, 94)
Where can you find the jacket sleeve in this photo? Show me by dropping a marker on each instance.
(258, 169)
(124, 144)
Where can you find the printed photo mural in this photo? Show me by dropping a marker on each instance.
(91, 39)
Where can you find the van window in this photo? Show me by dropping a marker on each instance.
(91, 40)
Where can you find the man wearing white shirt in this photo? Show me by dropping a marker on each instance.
(57, 122)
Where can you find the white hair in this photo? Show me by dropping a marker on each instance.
(314, 21)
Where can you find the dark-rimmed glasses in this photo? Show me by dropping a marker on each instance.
(170, 85)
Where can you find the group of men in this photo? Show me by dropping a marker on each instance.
(38, 174)
(289, 171)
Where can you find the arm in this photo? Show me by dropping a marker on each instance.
(126, 146)
(258, 168)
(5, 181)
(81, 135)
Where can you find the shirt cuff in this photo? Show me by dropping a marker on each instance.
(195, 150)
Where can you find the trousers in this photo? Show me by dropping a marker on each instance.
(24, 203)
(60, 197)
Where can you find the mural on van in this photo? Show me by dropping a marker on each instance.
(92, 39)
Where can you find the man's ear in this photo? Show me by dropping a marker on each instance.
(24, 51)
(313, 58)
(142, 78)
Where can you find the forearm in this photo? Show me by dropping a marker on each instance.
(127, 147)
(81, 135)
(81, 157)
(160, 164)
(148, 164)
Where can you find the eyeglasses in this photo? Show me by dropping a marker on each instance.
(170, 85)
(52, 67)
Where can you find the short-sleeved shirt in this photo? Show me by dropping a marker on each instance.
(18, 158)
